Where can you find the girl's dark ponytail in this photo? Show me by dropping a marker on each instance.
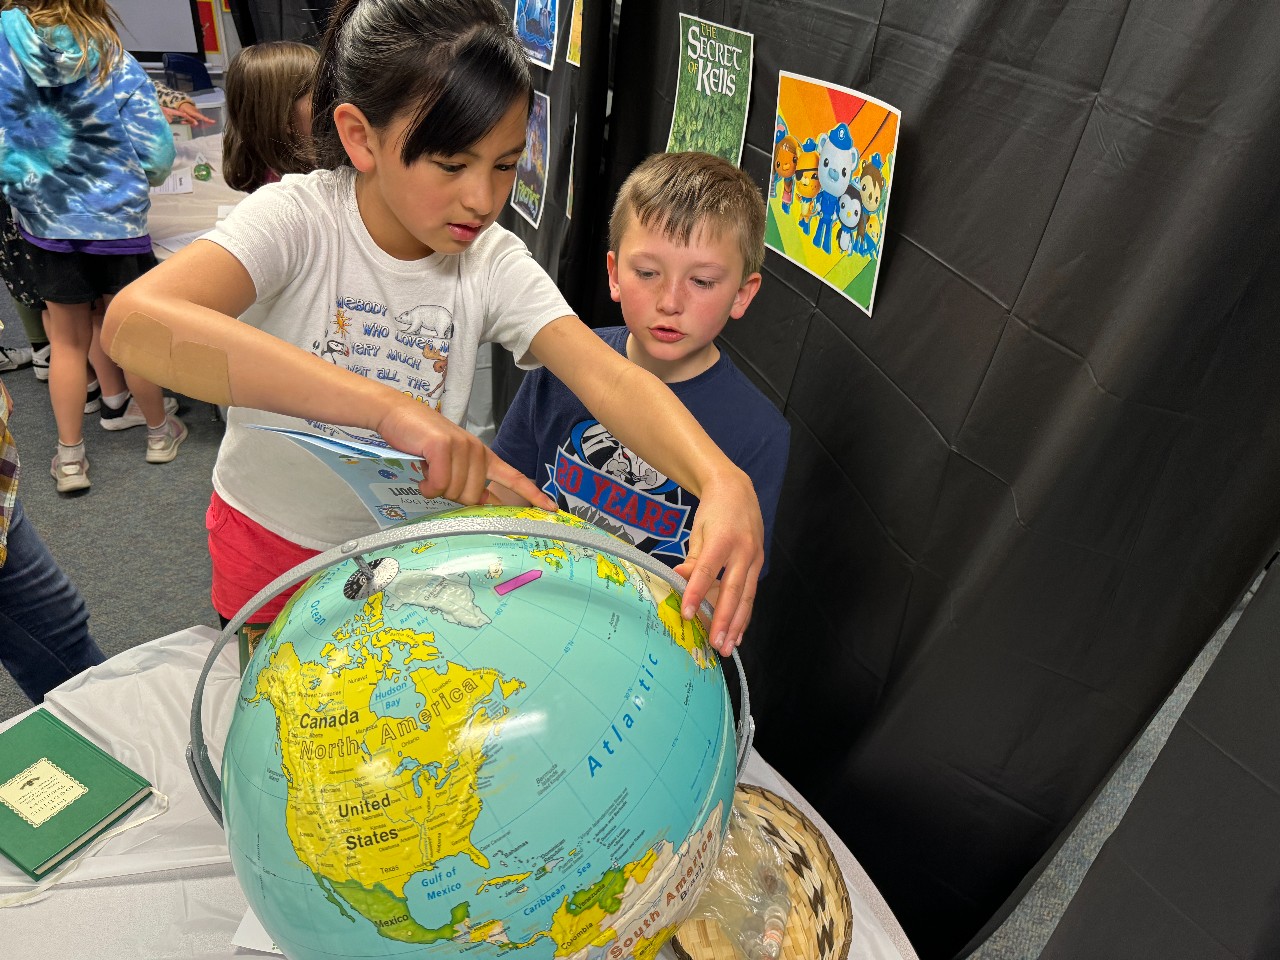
(325, 94)
(453, 67)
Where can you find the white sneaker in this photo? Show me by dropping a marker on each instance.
(93, 398)
(70, 476)
(163, 448)
(129, 415)
(40, 362)
(11, 358)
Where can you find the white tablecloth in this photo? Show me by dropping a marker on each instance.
(165, 889)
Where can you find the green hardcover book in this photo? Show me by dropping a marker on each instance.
(57, 792)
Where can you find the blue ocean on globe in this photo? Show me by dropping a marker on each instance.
(480, 745)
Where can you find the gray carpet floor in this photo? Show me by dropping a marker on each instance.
(134, 543)
(135, 546)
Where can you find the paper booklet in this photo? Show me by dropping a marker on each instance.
(385, 479)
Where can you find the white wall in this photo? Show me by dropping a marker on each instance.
(157, 25)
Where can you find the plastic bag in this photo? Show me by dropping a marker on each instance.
(747, 893)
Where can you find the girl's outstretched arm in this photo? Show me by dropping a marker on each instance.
(176, 326)
(642, 412)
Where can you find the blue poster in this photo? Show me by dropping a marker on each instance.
(536, 30)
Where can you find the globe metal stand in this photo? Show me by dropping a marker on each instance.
(209, 784)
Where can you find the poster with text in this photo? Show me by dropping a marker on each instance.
(713, 89)
(535, 22)
(833, 159)
(529, 191)
(573, 52)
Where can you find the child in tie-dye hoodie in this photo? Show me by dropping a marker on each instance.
(81, 138)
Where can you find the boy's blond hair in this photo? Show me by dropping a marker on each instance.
(677, 194)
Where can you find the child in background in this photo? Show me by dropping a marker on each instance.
(177, 107)
(364, 290)
(83, 137)
(268, 132)
(686, 242)
(15, 270)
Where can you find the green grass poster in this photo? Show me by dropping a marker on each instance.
(713, 89)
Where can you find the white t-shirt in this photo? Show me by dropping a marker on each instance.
(324, 285)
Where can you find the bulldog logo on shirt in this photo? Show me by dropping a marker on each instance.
(598, 479)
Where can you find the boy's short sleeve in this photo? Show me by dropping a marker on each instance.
(517, 439)
(519, 298)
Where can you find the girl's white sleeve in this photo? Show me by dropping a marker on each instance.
(519, 299)
(267, 232)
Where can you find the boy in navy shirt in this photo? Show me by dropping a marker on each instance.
(686, 243)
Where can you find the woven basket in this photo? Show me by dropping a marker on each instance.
(821, 923)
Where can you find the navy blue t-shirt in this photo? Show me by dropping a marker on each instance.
(550, 437)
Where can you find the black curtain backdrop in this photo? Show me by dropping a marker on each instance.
(1025, 492)
(1191, 872)
(567, 248)
(261, 20)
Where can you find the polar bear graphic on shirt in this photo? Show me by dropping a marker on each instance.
(429, 327)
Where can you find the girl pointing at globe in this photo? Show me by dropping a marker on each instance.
(355, 297)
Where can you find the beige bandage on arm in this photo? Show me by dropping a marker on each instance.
(145, 346)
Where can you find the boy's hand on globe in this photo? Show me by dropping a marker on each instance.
(728, 536)
(458, 465)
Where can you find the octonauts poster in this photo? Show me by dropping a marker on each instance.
(833, 160)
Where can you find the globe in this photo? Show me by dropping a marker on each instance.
(480, 745)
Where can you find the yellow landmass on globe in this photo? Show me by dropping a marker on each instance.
(659, 897)
(368, 620)
(503, 881)
(554, 557)
(352, 813)
(608, 569)
(422, 648)
(336, 657)
(688, 634)
(581, 920)
(491, 930)
(489, 511)
(647, 948)
(535, 513)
